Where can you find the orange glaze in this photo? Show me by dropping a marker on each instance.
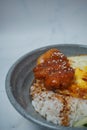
(78, 92)
(54, 69)
(74, 91)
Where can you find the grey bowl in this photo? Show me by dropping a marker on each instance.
(20, 77)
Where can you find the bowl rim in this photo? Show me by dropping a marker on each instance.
(12, 99)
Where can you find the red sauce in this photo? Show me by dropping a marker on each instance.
(55, 71)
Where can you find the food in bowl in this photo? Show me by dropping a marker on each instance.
(59, 90)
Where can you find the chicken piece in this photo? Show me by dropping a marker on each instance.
(52, 53)
(54, 69)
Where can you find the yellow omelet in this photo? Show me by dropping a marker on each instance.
(79, 86)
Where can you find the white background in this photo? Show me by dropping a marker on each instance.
(29, 24)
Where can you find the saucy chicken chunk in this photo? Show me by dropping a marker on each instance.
(54, 69)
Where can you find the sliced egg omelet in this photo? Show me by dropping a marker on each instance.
(79, 86)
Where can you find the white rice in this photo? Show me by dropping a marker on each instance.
(57, 108)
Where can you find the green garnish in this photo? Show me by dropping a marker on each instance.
(85, 125)
(81, 123)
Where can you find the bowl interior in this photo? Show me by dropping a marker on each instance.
(20, 77)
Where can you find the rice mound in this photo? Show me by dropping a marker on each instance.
(57, 108)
